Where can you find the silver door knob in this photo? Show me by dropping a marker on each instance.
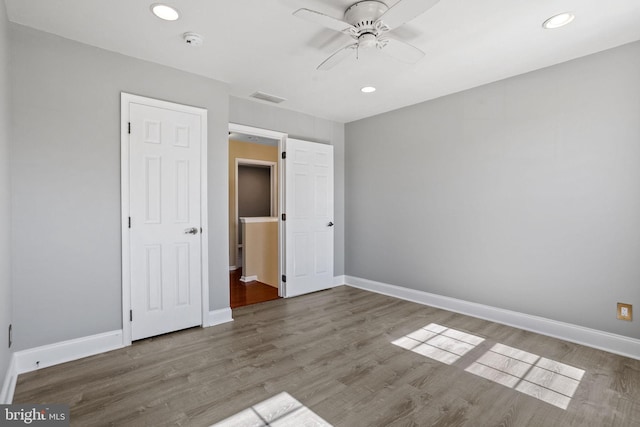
(192, 230)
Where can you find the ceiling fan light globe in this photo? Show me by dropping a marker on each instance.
(367, 40)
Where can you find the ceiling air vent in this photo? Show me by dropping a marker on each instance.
(267, 97)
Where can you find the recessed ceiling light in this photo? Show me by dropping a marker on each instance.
(368, 89)
(165, 12)
(558, 21)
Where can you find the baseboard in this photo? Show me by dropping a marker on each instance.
(216, 317)
(233, 268)
(339, 280)
(66, 351)
(613, 343)
(248, 278)
(9, 384)
(53, 354)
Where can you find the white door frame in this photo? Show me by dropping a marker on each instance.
(273, 208)
(125, 100)
(281, 137)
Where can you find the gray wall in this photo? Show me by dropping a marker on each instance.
(66, 245)
(523, 194)
(5, 223)
(309, 128)
(254, 191)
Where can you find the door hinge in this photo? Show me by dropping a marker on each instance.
(129, 127)
(284, 278)
(129, 222)
(130, 315)
(284, 154)
(284, 217)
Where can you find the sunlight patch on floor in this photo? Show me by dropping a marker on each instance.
(282, 410)
(545, 379)
(438, 342)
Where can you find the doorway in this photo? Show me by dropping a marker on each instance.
(256, 193)
(305, 212)
(254, 229)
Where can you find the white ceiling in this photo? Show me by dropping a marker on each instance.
(257, 45)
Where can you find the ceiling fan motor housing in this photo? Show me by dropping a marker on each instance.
(363, 15)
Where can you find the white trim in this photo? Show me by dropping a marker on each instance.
(125, 100)
(252, 219)
(66, 351)
(339, 280)
(9, 384)
(216, 317)
(248, 278)
(282, 138)
(54, 354)
(233, 268)
(204, 214)
(250, 130)
(282, 246)
(613, 343)
(124, 201)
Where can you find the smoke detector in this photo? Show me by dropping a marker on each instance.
(193, 39)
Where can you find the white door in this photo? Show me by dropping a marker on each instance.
(309, 217)
(165, 219)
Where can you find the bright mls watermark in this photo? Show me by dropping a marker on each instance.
(34, 415)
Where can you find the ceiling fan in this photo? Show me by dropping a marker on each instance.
(368, 23)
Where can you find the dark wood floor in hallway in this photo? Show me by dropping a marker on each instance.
(354, 358)
(249, 293)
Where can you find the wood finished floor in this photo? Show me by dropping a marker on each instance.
(332, 352)
(242, 293)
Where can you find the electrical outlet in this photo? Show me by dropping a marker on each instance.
(625, 311)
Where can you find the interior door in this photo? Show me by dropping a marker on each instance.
(165, 220)
(309, 217)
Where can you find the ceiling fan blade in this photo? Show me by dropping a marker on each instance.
(403, 51)
(405, 10)
(322, 19)
(337, 57)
